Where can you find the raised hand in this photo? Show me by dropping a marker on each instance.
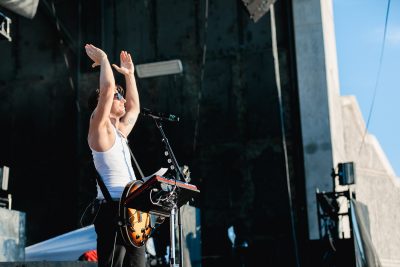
(127, 66)
(95, 54)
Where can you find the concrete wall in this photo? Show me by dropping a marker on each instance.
(318, 86)
(192, 232)
(333, 129)
(376, 187)
(12, 235)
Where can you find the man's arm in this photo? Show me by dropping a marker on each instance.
(107, 86)
(132, 104)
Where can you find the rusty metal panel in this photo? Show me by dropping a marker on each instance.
(12, 235)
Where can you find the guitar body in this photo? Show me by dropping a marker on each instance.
(135, 225)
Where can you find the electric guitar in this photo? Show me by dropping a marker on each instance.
(134, 224)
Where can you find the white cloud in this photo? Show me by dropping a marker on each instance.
(393, 36)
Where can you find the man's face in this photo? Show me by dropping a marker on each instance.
(118, 106)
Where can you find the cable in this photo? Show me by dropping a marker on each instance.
(169, 197)
(91, 204)
(61, 42)
(113, 253)
(200, 95)
(377, 77)
(283, 133)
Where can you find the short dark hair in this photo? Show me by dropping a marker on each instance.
(94, 97)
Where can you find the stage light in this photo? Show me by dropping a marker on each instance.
(159, 68)
(346, 173)
(257, 8)
(25, 8)
(4, 174)
(5, 27)
(5, 199)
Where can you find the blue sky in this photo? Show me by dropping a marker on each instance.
(359, 26)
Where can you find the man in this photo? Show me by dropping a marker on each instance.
(111, 122)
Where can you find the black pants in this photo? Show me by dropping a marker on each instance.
(110, 242)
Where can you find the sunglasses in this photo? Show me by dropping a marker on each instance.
(118, 96)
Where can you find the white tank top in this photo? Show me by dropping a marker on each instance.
(114, 166)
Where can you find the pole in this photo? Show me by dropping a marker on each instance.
(180, 237)
(172, 237)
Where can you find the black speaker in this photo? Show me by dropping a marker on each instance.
(346, 173)
(257, 8)
(25, 8)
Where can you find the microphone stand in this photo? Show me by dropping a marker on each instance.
(175, 209)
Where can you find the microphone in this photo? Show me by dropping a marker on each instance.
(159, 115)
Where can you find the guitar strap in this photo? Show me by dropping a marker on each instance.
(136, 163)
(103, 188)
